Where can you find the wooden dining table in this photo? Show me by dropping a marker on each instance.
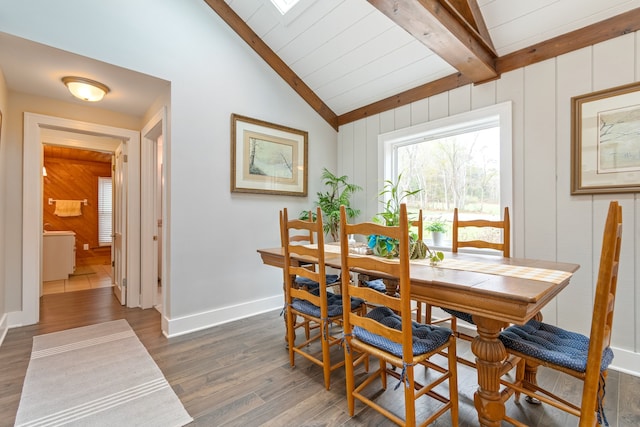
(496, 291)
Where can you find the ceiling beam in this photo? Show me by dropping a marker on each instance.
(279, 66)
(616, 26)
(470, 15)
(429, 89)
(449, 35)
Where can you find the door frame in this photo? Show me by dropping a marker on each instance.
(32, 208)
(156, 127)
(119, 224)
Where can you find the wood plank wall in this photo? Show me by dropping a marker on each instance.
(547, 221)
(69, 177)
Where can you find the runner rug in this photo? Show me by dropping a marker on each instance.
(98, 375)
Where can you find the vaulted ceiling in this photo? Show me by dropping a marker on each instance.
(353, 58)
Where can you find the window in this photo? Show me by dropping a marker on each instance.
(284, 6)
(105, 211)
(461, 161)
(289, 10)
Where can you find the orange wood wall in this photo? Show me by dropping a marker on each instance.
(72, 179)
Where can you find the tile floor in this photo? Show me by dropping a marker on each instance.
(85, 277)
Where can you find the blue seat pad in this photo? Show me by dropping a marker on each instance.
(310, 284)
(334, 304)
(426, 338)
(460, 315)
(377, 285)
(552, 344)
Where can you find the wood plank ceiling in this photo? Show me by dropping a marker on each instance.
(350, 59)
(66, 153)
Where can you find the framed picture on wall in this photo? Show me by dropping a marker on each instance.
(267, 158)
(605, 151)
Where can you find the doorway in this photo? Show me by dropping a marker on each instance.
(82, 177)
(34, 127)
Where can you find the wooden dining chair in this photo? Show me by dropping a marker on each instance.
(501, 227)
(305, 237)
(389, 333)
(585, 358)
(316, 306)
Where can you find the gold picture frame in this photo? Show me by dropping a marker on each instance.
(267, 158)
(605, 133)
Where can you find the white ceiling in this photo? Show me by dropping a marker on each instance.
(346, 51)
(37, 69)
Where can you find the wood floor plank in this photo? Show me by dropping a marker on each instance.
(238, 374)
(628, 404)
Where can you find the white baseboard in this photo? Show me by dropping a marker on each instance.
(625, 361)
(195, 322)
(16, 319)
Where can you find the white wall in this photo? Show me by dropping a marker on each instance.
(214, 271)
(548, 223)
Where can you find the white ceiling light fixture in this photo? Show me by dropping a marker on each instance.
(85, 89)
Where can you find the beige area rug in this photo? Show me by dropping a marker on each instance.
(98, 375)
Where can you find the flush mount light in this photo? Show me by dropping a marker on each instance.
(85, 89)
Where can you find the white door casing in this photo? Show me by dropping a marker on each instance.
(119, 224)
(34, 126)
(153, 131)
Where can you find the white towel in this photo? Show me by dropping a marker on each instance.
(68, 208)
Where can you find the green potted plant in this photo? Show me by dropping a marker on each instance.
(339, 193)
(391, 197)
(437, 227)
(390, 216)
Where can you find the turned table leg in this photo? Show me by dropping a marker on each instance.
(490, 354)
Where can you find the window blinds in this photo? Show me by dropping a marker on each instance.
(105, 211)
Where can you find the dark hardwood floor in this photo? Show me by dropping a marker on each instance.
(238, 374)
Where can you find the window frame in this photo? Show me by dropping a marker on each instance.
(458, 123)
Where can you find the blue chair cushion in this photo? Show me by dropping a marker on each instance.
(426, 338)
(552, 344)
(334, 304)
(460, 315)
(311, 284)
(377, 285)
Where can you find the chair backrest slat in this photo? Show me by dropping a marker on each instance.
(305, 236)
(504, 224)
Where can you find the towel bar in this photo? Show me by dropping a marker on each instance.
(52, 201)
